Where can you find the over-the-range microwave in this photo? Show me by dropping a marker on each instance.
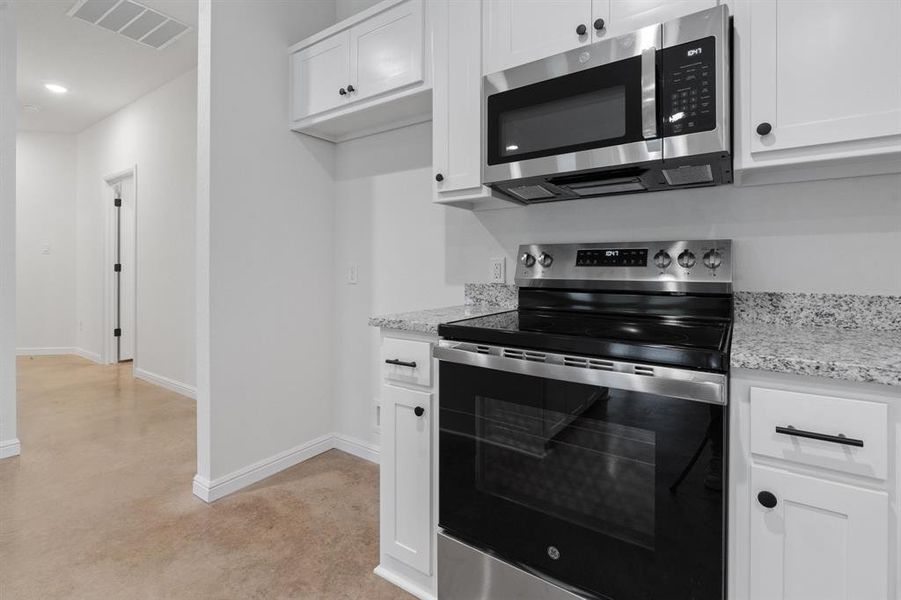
(646, 111)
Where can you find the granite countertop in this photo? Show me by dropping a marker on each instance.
(846, 354)
(427, 321)
(846, 337)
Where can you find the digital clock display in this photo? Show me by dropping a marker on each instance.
(612, 257)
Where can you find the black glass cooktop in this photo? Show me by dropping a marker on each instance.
(677, 339)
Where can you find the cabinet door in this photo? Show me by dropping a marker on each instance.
(386, 51)
(456, 95)
(628, 15)
(318, 72)
(406, 498)
(520, 31)
(822, 540)
(823, 72)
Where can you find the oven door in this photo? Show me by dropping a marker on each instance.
(589, 108)
(606, 482)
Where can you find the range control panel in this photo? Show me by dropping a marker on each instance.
(672, 266)
(689, 87)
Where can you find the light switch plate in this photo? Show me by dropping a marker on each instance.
(353, 274)
(498, 273)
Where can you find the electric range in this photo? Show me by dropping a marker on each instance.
(582, 436)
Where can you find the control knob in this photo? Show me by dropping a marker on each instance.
(527, 259)
(712, 259)
(686, 259)
(545, 259)
(662, 259)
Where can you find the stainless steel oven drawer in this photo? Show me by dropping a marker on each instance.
(466, 573)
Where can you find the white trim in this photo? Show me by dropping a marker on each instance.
(210, 491)
(166, 382)
(356, 447)
(45, 351)
(10, 448)
(91, 356)
(404, 584)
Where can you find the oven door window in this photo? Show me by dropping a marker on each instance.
(592, 487)
(589, 109)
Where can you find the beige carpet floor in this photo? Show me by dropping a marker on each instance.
(99, 505)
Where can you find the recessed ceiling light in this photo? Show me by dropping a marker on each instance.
(56, 88)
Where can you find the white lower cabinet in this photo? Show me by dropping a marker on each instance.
(406, 475)
(821, 540)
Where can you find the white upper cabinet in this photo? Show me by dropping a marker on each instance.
(386, 51)
(319, 72)
(629, 15)
(456, 101)
(819, 80)
(364, 75)
(813, 538)
(520, 31)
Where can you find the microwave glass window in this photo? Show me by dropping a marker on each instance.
(575, 120)
(594, 108)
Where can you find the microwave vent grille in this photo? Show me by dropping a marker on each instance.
(531, 193)
(689, 175)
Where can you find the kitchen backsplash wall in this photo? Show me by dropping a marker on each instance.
(841, 311)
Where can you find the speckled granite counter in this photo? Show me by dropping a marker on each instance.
(427, 321)
(847, 354)
(847, 337)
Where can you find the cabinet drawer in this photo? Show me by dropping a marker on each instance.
(852, 433)
(410, 353)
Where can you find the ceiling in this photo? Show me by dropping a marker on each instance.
(102, 70)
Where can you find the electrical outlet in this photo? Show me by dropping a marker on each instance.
(353, 274)
(498, 272)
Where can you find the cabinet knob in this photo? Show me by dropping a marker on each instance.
(581, 29)
(439, 177)
(419, 411)
(767, 499)
(599, 24)
(764, 128)
(342, 92)
(350, 88)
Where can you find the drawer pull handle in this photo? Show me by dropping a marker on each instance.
(401, 363)
(823, 437)
(419, 411)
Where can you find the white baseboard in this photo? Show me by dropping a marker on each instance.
(167, 382)
(210, 491)
(10, 448)
(403, 583)
(51, 351)
(91, 356)
(358, 448)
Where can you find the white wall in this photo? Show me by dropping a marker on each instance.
(839, 236)
(265, 247)
(158, 134)
(45, 242)
(9, 443)
(348, 8)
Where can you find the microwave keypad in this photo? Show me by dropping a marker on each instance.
(689, 87)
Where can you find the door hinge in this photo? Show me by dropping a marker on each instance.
(117, 267)
(117, 332)
(117, 202)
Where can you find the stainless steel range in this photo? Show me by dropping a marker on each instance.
(582, 436)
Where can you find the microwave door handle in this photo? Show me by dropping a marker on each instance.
(649, 93)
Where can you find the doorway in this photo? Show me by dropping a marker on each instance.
(123, 229)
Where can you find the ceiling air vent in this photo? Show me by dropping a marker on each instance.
(132, 20)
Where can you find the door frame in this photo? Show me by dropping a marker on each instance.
(109, 355)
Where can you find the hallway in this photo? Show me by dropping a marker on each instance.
(99, 504)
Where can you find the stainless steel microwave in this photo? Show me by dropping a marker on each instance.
(646, 111)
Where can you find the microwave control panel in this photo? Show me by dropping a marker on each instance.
(688, 95)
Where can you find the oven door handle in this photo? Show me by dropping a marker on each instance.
(685, 384)
(649, 93)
